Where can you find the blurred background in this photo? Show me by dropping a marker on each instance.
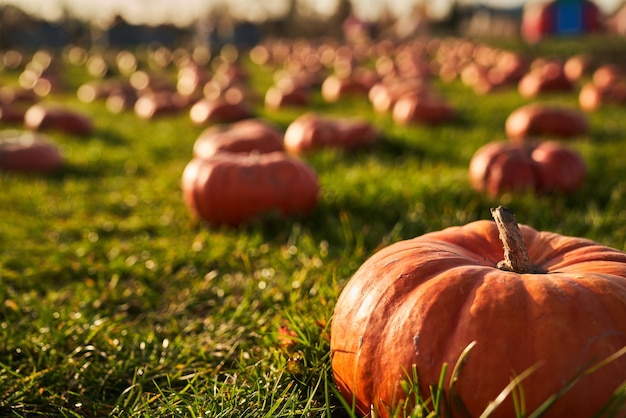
(120, 23)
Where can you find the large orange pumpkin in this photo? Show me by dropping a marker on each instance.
(231, 188)
(559, 307)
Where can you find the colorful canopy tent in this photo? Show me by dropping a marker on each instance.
(560, 17)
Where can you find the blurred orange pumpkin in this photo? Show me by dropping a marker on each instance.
(539, 119)
(312, 131)
(249, 135)
(504, 166)
(28, 152)
(232, 188)
(41, 116)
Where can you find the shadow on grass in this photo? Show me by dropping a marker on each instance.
(111, 137)
(340, 222)
(389, 150)
(392, 148)
(349, 224)
(73, 170)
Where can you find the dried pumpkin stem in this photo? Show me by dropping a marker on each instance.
(516, 257)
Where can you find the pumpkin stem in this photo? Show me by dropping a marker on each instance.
(516, 257)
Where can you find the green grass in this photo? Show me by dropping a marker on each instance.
(116, 301)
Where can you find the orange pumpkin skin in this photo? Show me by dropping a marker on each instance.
(499, 167)
(231, 189)
(423, 301)
(557, 168)
(244, 136)
(547, 120)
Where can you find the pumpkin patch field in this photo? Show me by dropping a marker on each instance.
(307, 228)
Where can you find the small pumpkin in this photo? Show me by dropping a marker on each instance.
(28, 152)
(149, 82)
(219, 110)
(153, 104)
(545, 300)
(191, 78)
(336, 87)
(249, 135)
(98, 89)
(277, 97)
(384, 94)
(121, 98)
(544, 77)
(12, 94)
(577, 66)
(503, 166)
(420, 108)
(41, 116)
(473, 73)
(504, 69)
(312, 131)
(539, 119)
(232, 189)
(607, 74)
(593, 97)
(42, 76)
(510, 67)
